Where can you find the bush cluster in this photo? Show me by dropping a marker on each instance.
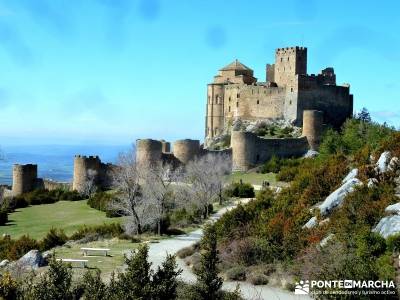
(101, 201)
(239, 190)
(276, 164)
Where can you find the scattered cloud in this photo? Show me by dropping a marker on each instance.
(216, 37)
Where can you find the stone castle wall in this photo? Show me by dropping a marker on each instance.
(249, 150)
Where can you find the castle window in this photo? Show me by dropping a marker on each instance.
(288, 59)
(281, 59)
(258, 101)
(237, 104)
(229, 99)
(291, 89)
(229, 108)
(290, 102)
(258, 157)
(238, 95)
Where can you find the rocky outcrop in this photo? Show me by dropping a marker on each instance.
(388, 226)
(31, 260)
(336, 198)
(311, 223)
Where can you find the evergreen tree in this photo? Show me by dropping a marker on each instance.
(208, 282)
(165, 280)
(55, 283)
(364, 115)
(94, 288)
(135, 282)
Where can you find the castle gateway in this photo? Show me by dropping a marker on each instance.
(286, 93)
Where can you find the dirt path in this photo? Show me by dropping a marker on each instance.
(158, 252)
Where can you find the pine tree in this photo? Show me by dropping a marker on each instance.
(135, 282)
(364, 115)
(208, 282)
(94, 288)
(55, 283)
(165, 280)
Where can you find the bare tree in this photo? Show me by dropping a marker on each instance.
(90, 186)
(204, 179)
(130, 201)
(158, 189)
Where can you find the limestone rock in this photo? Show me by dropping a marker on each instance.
(32, 259)
(336, 198)
(372, 182)
(4, 263)
(393, 209)
(326, 239)
(311, 223)
(311, 154)
(388, 226)
(383, 162)
(352, 174)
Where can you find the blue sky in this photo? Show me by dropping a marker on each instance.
(111, 71)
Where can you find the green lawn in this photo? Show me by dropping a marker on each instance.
(106, 264)
(252, 178)
(37, 220)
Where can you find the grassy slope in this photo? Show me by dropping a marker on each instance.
(68, 215)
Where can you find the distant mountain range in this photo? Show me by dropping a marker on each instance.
(54, 161)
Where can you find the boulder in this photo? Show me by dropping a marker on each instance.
(311, 154)
(372, 182)
(383, 162)
(352, 174)
(311, 223)
(336, 198)
(326, 239)
(388, 226)
(33, 259)
(4, 263)
(393, 209)
(393, 164)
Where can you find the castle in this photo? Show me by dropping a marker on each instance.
(289, 93)
(286, 93)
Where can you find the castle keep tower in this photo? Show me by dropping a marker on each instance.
(289, 62)
(244, 146)
(82, 165)
(312, 127)
(24, 178)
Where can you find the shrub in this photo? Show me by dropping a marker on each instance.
(20, 247)
(104, 231)
(257, 278)
(393, 243)
(185, 252)
(52, 239)
(8, 287)
(3, 216)
(240, 190)
(101, 201)
(236, 273)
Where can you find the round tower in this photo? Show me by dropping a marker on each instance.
(148, 152)
(215, 110)
(82, 165)
(312, 127)
(186, 150)
(165, 146)
(24, 178)
(244, 145)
